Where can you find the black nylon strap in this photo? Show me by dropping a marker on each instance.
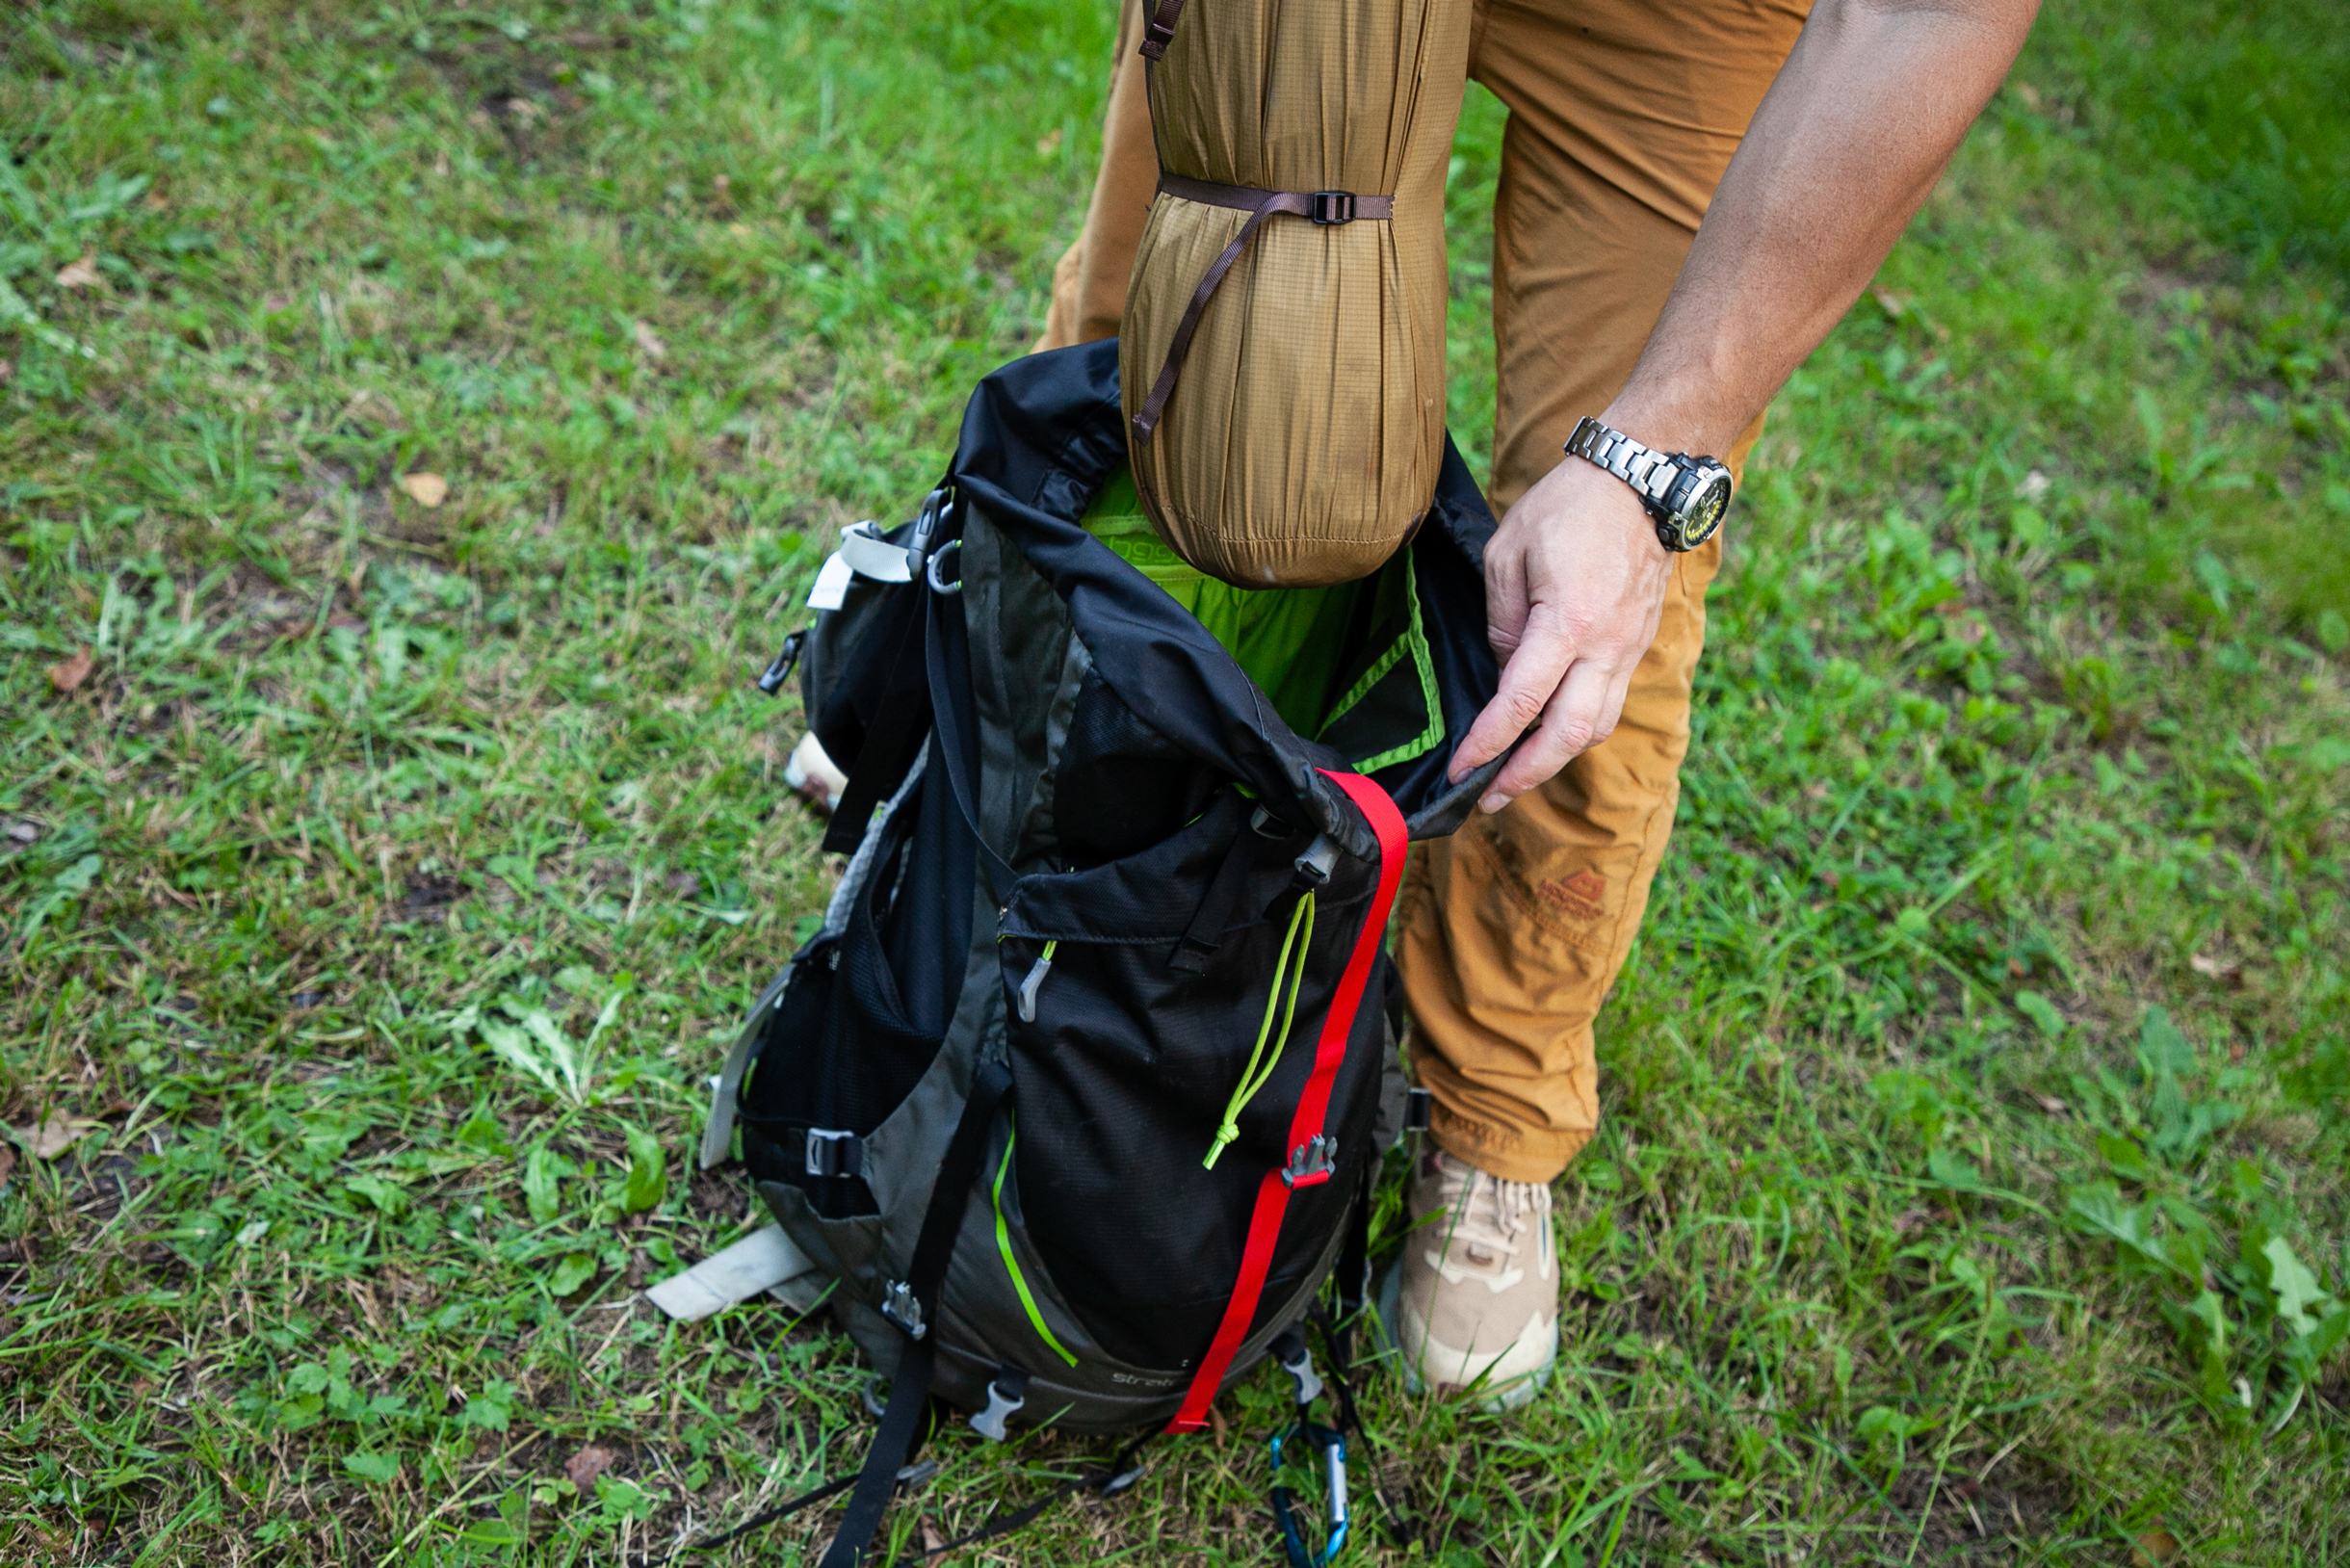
(947, 661)
(832, 1488)
(1003, 1524)
(943, 1220)
(909, 1391)
(835, 1153)
(909, 1398)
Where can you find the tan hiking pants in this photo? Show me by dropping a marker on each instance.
(1622, 115)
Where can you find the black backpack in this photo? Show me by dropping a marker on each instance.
(1078, 1092)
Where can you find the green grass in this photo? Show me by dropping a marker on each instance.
(1974, 1186)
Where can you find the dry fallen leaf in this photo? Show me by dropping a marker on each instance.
(2210, 968)
(649, 341)
(1050, 143)
(2156, 1546)
(424, 490)
(67, 674)
(1894, 301)
(79, 274)
(54, 1133)
(584, 1467)
(2035, 486)
(1216, 1419)
(8, 1163)
(931, 1541)
(2053, 1105)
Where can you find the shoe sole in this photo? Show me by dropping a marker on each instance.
(1517, 1396)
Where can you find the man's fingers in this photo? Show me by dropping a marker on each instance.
(1507, 608)
(1524, 691)
(1578, 718)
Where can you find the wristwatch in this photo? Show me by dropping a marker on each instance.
(1686, 496)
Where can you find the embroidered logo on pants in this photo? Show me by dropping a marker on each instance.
(1579, 895)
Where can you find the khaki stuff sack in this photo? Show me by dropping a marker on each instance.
(1283, 352)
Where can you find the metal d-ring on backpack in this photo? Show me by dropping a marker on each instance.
(1075, 1096)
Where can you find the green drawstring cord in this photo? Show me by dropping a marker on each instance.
(1251, 1080)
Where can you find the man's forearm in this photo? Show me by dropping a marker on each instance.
(1867, 110)
(1861, 122)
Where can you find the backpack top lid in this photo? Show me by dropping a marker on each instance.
(1042, 437)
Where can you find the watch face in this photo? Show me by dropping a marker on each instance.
(1704, 513)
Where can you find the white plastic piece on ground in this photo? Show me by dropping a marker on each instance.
(765, 1260)
(811, 772)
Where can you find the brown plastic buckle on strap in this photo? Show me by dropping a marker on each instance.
(1327, 209)
(1158, 30)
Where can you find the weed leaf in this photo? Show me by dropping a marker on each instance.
(542, 1178)
(2041, 1012)
(2296, 1289)
(387, 1197)
(379, 1468)
(2161, 1048)
(513, 1047)
(648, 1174)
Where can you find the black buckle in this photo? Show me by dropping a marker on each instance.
(831, 1153)
(1332, 207)
(784, 664)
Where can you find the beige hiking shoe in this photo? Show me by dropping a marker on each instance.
(1473, 1305)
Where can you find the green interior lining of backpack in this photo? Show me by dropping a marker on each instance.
(1348, 663)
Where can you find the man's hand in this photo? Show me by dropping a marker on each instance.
(1575, 581)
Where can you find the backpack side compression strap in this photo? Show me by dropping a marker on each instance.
(909, 1391)
(1313, 1105)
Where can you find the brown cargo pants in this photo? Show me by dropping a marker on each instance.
(1622, 115)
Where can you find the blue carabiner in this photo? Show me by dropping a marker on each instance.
(1333, 1446)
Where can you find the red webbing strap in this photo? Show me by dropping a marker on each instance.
(1306, 1124)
